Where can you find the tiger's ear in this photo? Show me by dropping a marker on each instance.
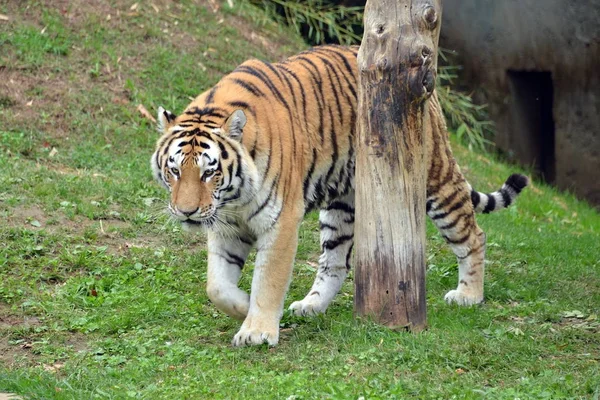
(165, 118)
(234, 125)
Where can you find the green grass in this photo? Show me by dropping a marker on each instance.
(102, 297)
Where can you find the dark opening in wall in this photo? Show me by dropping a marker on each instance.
(532, 122)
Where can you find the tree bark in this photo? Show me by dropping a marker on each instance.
(397, 62)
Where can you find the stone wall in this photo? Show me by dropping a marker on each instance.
(537, 64)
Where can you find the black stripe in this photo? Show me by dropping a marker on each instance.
(224, 153)
(491, 205)
(350, 101)
(334, 146)
(448, 200)
(276, 219)
(350, 70)
(332, 244)
(211, 95)
(506, 199)
(475, 198)
(455, 207)
(428, 205)
(246, 241)
(232, 259)
(348, 255)
(206, 111)
(302, 92)
(264, 78)
(317, 86)
(453, 223)
(244, 105)
(324, 225)
(249, 87)
(311, 169)
(340, 206)
(330, 69)
(460, 240)
(264, 203)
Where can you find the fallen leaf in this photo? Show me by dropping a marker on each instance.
(35, 223)
(145, 113)
(214, 6)
(155, 8)
(134, 7)
(29, 103)
(4, 17)
(53, 368)
(53, 152)
(573, 314)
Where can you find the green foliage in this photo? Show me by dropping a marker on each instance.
(317, 20)
(32, 45)
(466, 119)
(321, 21)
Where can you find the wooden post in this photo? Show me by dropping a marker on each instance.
(397, 62)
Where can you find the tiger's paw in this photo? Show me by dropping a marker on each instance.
(255, 334)
(463, 298)
(306, 308)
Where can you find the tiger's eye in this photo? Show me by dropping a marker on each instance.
(207, 174)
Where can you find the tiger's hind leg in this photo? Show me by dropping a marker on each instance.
(451, 210)
(337, 239)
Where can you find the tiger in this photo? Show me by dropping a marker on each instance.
(249, 157)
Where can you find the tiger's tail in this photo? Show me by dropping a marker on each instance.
(502, 198)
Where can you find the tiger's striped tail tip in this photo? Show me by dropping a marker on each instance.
(517, 182)
(502, 198)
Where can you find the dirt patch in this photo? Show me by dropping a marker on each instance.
(34, 218)
(12, 354)
(33, 100)
(10, 321)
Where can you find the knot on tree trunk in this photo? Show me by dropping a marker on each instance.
(397, 64)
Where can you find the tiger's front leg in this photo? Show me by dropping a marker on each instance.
(276, 251)
(226, 258)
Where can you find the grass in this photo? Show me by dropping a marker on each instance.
(102, 297)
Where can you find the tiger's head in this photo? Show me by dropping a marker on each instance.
(204, 167)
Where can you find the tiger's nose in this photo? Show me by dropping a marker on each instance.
(188, 213)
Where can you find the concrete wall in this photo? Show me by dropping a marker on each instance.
(561, 37)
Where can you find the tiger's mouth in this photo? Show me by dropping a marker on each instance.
(205, 223)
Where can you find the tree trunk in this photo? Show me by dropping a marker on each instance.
(397, 62)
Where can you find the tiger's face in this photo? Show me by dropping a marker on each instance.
(201, 167)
